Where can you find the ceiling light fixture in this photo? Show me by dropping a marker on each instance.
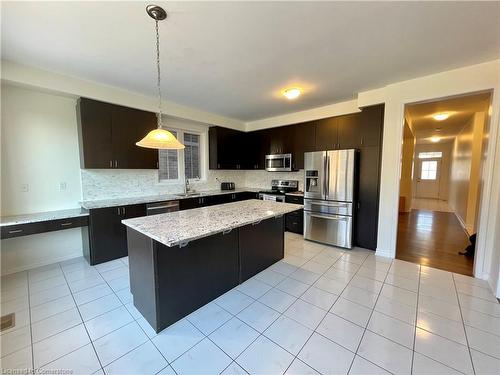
(441, 116)
(160, 139)
(435, 139)
(292, 93)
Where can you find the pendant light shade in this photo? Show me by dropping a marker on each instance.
(160, 139)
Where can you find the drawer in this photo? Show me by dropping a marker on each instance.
(294, 223)
(298, 213)
(73, 222)
(294, 199)
(18, 230)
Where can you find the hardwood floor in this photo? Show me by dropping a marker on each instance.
(433, 238)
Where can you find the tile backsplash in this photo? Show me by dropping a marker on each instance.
(118, 183)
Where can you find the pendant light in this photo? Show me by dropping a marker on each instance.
(159, 138)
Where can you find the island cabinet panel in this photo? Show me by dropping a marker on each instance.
(261, 245)
(107, 234)
(168, 283)
(108, 133)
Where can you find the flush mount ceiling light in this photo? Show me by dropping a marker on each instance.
(292, 93)
(160, 139)
(435, 139)
(440, 116)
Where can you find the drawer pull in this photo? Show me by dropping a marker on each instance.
(15, 231)
(65, 224)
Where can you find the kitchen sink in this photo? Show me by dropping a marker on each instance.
(192, 194)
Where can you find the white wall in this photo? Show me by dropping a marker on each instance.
(466, 171)
(475, 78)
(39, 148)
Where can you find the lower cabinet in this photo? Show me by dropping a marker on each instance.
(211, 200)
(254, 257)
(107, 236)
(294, 221)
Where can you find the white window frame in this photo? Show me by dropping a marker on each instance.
(181, 127)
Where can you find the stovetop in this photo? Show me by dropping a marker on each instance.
(280, 187)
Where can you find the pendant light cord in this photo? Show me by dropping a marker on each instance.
(159, 115)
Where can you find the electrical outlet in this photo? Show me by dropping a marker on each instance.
(25, 188)
(62, 186)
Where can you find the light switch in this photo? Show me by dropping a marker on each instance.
(62, 186)
(25, 188)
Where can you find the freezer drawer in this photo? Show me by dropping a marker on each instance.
(328, 207)
(333, 230)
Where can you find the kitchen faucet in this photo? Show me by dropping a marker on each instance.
(186, 187)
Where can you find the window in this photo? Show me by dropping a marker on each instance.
(177, 165)
(430, 155)
(192, 155)
(429, 170)
(168, 163)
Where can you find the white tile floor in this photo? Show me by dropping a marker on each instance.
(320, 310)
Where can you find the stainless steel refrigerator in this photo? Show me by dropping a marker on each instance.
(329, 196)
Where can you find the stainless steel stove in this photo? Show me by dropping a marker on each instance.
(278, 190)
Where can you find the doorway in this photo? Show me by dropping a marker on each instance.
(440, 184)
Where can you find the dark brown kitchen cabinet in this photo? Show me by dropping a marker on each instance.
(349, 131)
(372, 122)
(107, 236)
(224, 152)
(366, 218)
(326, 135)
(294, 221)
(303, 140)
(108, 133)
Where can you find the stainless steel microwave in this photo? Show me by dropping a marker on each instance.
(279, 163)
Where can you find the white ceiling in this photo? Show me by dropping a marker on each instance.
(460, 109)
(234, 58)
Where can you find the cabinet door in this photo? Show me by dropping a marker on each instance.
(368, 196)
(188, 203)
(349, 131)
(372, 123)
(128, 127)
(326, 134)
(223, 148)
(260, 246)
(94, 134)
(303, 138)
(107, 235)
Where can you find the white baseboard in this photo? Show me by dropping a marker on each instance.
(462, 224)
(384, 253)
(40, 264)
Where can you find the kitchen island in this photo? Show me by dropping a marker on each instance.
(180, 261)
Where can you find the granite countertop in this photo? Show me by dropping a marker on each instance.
(124, 201)
(179, 227)
(42, 216)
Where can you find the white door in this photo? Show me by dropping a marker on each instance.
(429, 171)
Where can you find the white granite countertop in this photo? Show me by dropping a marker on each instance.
(174, 228)
(42, 216)
(113, 202)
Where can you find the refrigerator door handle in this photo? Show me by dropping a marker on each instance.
(325, 178)
(327, 175)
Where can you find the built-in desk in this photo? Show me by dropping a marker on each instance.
(41, 222)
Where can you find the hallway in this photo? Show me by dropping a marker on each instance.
(433, 238)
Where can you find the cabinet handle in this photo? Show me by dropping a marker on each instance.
(218, 165)
(362, 139)
(116, 163)
(118, 208)
(111, 163)
(65, 224)
(123, 210)
(15, 231)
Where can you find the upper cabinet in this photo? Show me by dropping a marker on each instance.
(108, 133)
(233, 149)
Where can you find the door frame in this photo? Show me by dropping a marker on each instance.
(395, 103)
